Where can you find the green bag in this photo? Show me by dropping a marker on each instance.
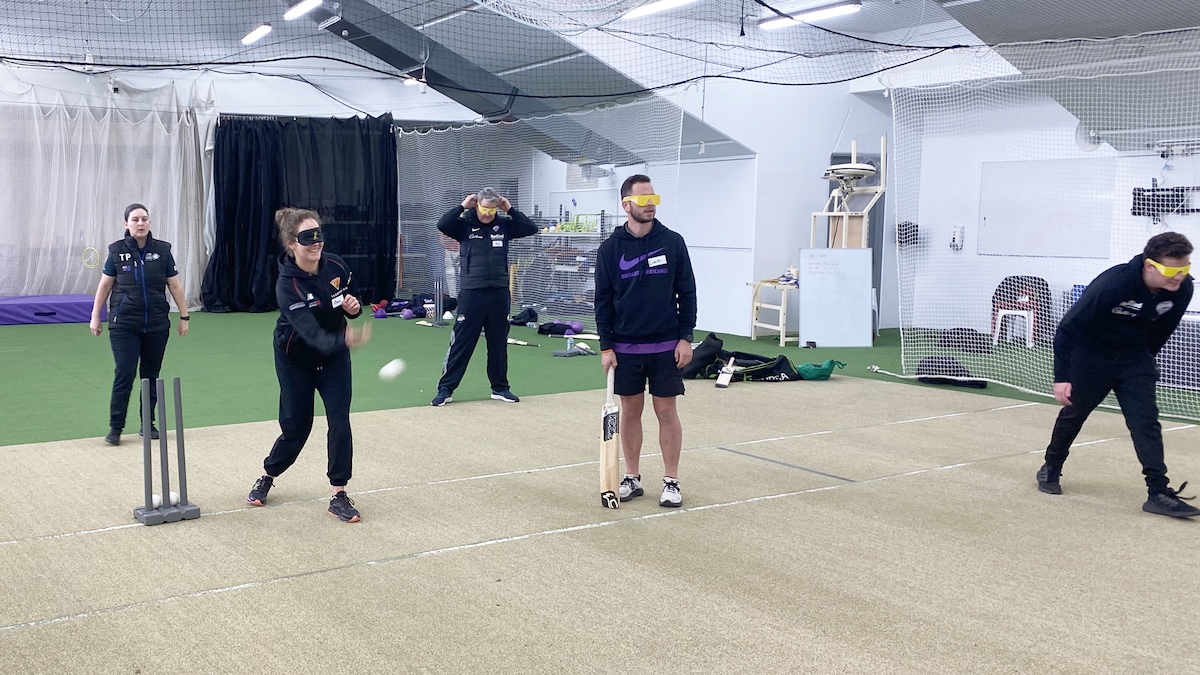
(818, 371)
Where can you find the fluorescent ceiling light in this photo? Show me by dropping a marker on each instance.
(812, 15)
(301, 9)
(254, 35)
(656, 7)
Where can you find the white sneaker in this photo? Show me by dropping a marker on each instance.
(631, 486)
(670, 493)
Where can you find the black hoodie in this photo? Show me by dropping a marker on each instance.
(645, 289)
(1119, 318)
(312, 324)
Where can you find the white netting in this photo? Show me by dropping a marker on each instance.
(1015, 188)
(564, 172)
(68, 173)
(571, 53)
(563, 15)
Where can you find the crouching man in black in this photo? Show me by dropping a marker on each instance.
(1107, 342)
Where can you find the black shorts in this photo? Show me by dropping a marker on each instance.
(634, 369)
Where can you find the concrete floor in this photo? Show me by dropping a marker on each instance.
(828, 527)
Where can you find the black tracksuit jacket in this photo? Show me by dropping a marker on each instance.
(483, 249)
(1118, 318)
(312, 324)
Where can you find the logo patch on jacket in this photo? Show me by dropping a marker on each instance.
(1163, 307)
(1128, 308)
(152, 256)
(627, 264)
(335, 282)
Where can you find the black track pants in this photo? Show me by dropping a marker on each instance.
(1133, 381)
(131, 350)
(479, 309)
(297, 385)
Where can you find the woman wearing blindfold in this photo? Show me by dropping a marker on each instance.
(312, 354)
(138, 272)
(1107, 342)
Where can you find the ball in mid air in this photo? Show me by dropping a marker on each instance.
(392, 369)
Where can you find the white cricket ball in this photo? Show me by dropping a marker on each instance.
(392, 369)
(156, 501)
(174, 499)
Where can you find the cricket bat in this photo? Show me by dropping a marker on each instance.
(610, 444)
(514, 341)
(726, 375)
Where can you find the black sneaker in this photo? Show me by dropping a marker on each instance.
(443, 397)
(1047, 478)
(1168, 503)
(343, 507)
(153, 432)
(262, 486)
(506, 396)
(113, 437)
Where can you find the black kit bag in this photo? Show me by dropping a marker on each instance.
(946, 370)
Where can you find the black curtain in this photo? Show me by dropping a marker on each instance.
(345, 170)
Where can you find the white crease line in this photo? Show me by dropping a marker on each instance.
(782, 438)
(70, 534)
(501, 474)
(474, 545)
(504, 541)
(960, 414)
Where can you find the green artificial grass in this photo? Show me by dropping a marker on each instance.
(58, 377)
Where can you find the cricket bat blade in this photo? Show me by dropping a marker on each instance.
(726, 375)
(610, 443)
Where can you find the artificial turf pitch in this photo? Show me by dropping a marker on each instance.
(58, 377)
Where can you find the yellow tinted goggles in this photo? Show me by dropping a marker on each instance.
(1170, 271)
(486, 210)
(642, 200)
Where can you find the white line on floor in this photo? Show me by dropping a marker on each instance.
(447, 481)
(502, 539)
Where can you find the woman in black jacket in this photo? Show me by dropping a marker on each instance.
(138, 271)
(312, 354)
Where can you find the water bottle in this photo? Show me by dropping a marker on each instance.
(531, 324)
(570, 342)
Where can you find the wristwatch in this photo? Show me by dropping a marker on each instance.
(184, 318)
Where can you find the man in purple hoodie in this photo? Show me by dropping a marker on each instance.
(645, 313)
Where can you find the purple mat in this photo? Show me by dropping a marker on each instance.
(48, 309)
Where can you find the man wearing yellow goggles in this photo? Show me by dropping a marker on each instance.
(483, 298)
(643, 200)
(1108, 342)
(645, 313)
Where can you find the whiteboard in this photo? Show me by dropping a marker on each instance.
(1058, 208)
(835, 297)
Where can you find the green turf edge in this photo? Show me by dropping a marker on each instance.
(58, 376)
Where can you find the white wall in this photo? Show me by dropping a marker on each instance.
(954, 289)
(717, 221)
(793, 130)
